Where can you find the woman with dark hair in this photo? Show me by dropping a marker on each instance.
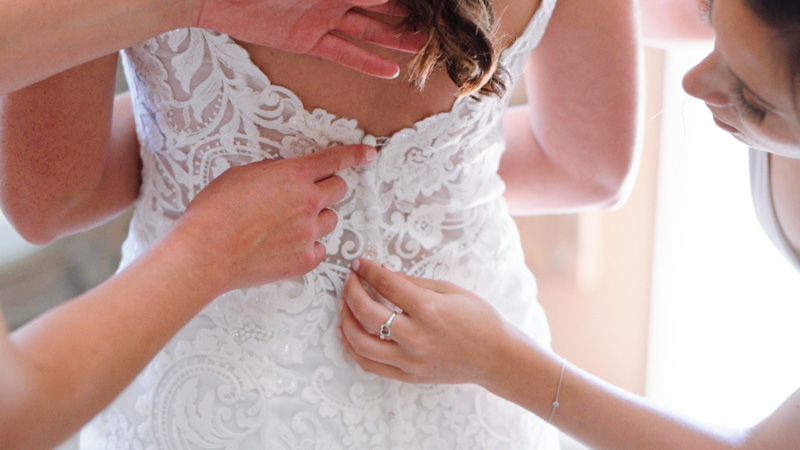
(263, 367)
(447, 334)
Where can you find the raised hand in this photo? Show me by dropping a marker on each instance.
(445, 334)
(260, 222)
(314, 27)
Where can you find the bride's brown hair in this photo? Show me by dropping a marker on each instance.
(459, 39)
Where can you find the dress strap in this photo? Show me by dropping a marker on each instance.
(761, 191)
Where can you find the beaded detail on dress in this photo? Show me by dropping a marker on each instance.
(263, 367)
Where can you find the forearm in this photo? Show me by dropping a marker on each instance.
(594, 411)
(72, 361)
(80, 30)
(510, 364)
(70, 154)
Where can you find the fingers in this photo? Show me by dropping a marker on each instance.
(341, 51)
(332, 190)
(368, 29)
(328, 162)
(394, 287)
(381, 369)
(319, 252)
(363, 3)
(327, 221)
(369, 313)
(440, 287)
(366, 344)
(390, 8)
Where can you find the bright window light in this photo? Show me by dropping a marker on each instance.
(726, 304)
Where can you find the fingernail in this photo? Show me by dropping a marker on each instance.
(371, 155)
(355, 264)
(388, 267)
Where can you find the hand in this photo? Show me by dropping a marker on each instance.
(445, 334)
(260, 222)
(314, 27)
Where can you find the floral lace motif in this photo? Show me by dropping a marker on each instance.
(263, 367)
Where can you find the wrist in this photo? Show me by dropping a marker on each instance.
(186, 249)
(503, 359)
(524, 372)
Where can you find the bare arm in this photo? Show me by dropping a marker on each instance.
(434, 342)
(40, 39)
(69, 152)
(61, 369)
(574, 144)
(83, 30)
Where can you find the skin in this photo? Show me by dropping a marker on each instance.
(573, 146)
(745, 57)
(49, 385)
(78, 166)
(433, 339)
(57, 372)
(84, 30)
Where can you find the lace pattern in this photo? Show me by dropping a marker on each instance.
(263, 367)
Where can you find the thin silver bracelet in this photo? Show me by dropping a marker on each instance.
(558, 392)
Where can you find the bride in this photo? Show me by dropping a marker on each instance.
(264, 367)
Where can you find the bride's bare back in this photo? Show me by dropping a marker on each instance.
(380, 106)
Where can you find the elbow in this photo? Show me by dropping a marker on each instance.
(36, 231)
(613, 188)
(614, 192)
(37, 225)
(619, 177)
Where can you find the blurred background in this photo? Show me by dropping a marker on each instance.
(677, 295)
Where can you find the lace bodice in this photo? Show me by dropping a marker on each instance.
(263, 367)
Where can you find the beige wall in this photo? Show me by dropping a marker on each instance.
(594, 268)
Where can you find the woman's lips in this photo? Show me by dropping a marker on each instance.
(725, 126)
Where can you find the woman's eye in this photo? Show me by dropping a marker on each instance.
(752, 112)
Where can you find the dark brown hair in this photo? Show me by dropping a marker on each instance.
(784, 17)
(459, 39)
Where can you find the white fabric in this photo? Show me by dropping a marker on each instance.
(761, 191)
(263, 368)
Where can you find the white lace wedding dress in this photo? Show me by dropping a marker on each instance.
(263, 368)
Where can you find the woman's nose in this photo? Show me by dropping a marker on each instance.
(706, 81)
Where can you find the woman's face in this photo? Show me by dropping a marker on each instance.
(746, 82)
